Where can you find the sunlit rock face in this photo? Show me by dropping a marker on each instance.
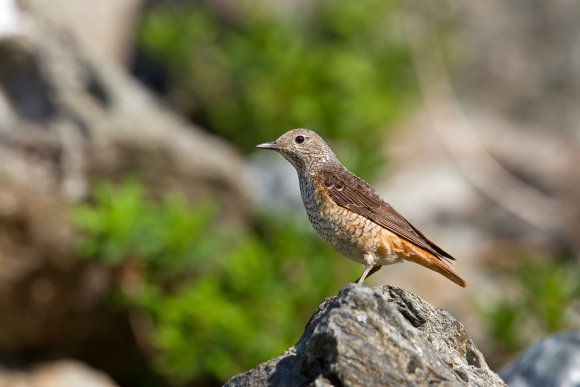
(376, 337)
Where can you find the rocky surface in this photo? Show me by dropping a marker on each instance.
(554, 362)
(105, 28)
(376, 337)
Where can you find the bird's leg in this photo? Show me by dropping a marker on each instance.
(367, 273)
(368, 268)
(370, 263)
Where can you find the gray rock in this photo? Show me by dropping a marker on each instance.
(376, 337)
(553, 362)
(68, 118)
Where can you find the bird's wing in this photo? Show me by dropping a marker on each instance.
(351, 192)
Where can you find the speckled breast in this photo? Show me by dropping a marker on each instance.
(351, 234)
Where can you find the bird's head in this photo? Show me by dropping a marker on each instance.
(303, 148)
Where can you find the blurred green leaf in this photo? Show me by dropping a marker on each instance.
(219, 302)
(342, 70)
(545, 292)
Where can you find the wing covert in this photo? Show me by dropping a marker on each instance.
(351, 192)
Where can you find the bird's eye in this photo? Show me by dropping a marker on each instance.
(299, 139)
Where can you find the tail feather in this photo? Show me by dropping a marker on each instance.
(429, 261)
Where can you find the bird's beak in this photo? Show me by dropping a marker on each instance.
(270, 145)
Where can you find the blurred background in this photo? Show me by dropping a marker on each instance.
(144, 241)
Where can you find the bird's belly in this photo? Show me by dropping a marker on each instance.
(351, 234)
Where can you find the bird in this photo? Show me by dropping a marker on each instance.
(349, 214)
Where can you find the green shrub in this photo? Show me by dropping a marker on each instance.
(219, 301)
(342, 70)
(540, 303)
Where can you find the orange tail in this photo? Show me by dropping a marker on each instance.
(429, 261)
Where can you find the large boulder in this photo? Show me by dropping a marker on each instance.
(376, 337)
(554, 361)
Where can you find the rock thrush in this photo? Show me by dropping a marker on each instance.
(350, 215)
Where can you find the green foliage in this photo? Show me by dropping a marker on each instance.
(341, 69)
(219, 301)
(503, 321)
(541, 304)
(124, 224)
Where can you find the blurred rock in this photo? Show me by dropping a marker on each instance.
(68, 119)
(509, 95)
(522, 61)
(553, 362)
(104, 28)
(376, 337)
(513, 86)
(274, 185)
(58, 374)
(9, 17)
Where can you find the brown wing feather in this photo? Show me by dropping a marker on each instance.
(351, 192)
